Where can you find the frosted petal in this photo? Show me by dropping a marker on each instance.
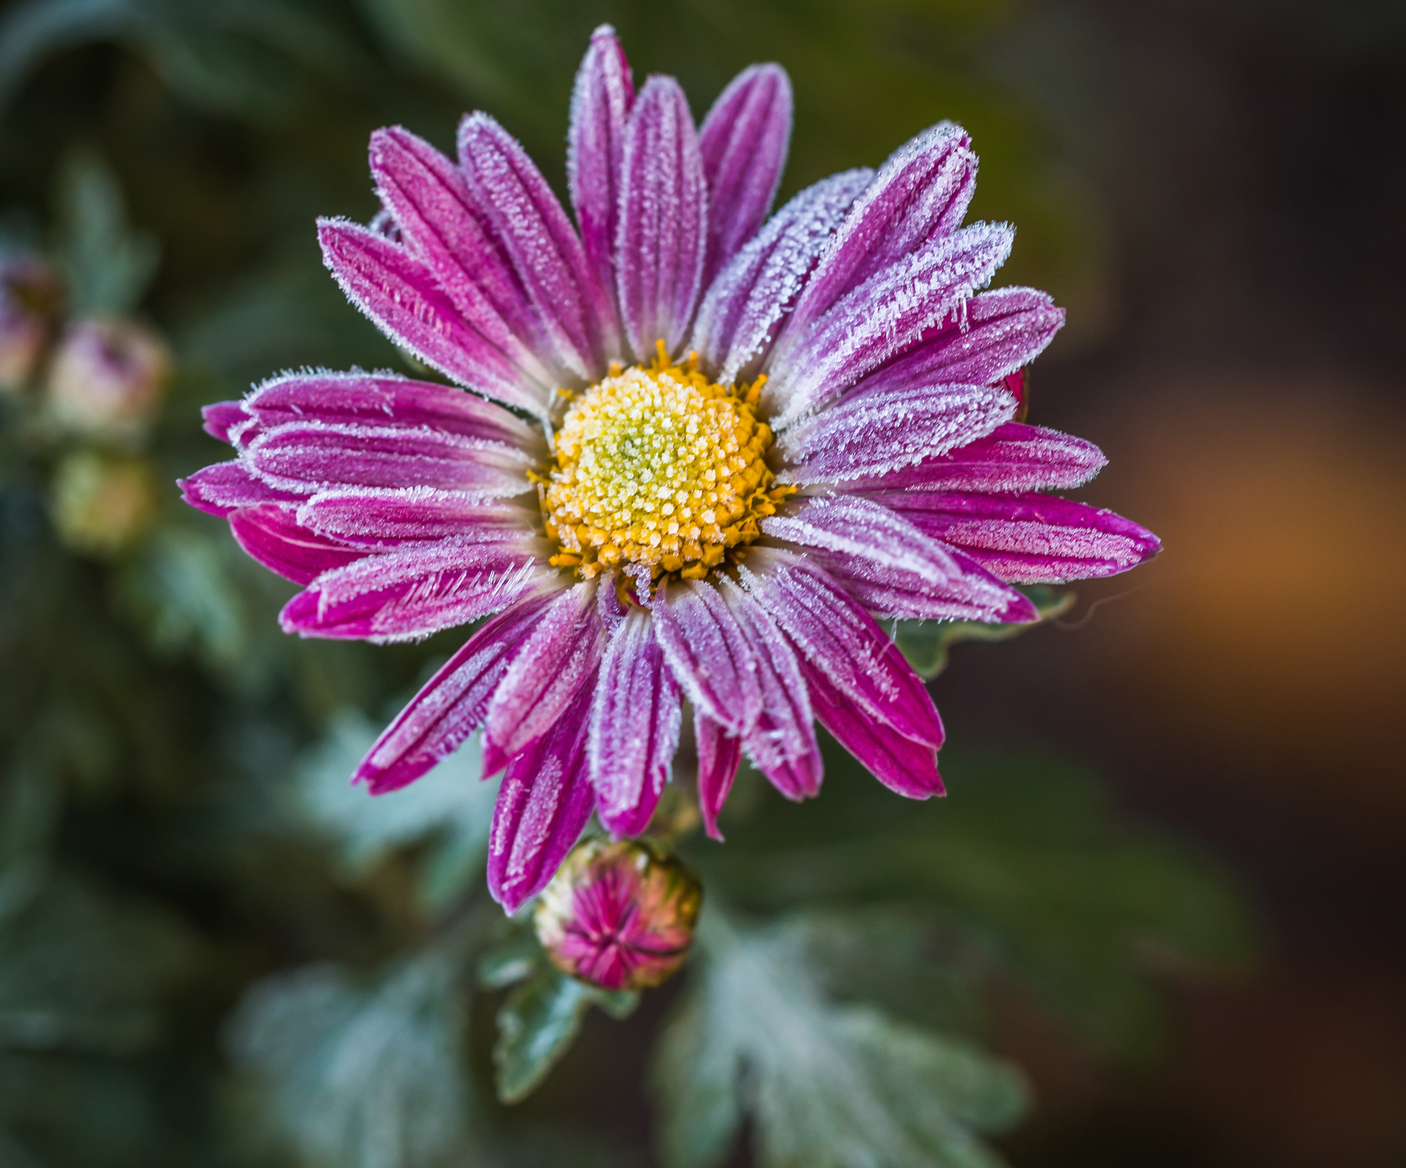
(662, 233)
(743, 143)
(555, 662)
(410, 594)
(710, 656)
(875, 433)
(452, 704)
(402, 298)
(882, 318)
(892, 566)
(544, 247)
(1029, 538)
(442, 226)
(919, 195)
(834, 634)
(634, 727)
(746, 305)
(600, 105)
(543, 805)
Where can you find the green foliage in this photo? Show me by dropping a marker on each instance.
(106, 265)
(238, 56)
(827, 1085)
(362, 1076)
(1026, 859)
(453, 804)
(541, 1017)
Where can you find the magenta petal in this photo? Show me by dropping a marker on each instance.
(743, 144)
(314, 456)
(273, 537)
(892, 566)
(221, 417)
(442, 226)
(919, 195)
(719, 754)
(900, 763)
(402, 298)
(543, 805)
(884, 317)
(381, 520)
(555, 662)
(384, 399)
(410, 594)
(545, 249)
(595, 151)
(840, 639)
(453, 703)
(875, 433)
(1014, 457)
(782, 743)
(998, 332)
(634, 727)
(662, 234)
(710, 656)
(744, 309)
(1029, 538)
(227, 486)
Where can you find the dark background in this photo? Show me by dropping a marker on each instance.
(1215, 192)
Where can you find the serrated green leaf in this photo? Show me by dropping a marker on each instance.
(1026, 861)
(362, 1077)
(452, 803)
(827, 1086)
(107, 265)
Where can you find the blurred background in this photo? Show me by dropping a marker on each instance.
(1214, 192)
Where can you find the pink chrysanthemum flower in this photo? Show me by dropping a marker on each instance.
(703, 450)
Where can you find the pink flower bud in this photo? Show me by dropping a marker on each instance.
(619, 915)
(107, 377)
(102, 503)
(29, 300)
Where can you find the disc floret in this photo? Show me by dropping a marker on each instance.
(659, 466)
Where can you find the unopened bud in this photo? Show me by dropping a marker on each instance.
(29, 301)
(102, 503)
(619, 915)
(107, 377)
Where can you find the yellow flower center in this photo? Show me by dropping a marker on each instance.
(661, 467)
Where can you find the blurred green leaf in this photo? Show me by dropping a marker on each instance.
(83, 971)
(827, 1086)
(234, 56)
(1026, 859)
(107, 265)
(194, 590)
(927, 644)
(452, 803)
(363, 1077)
(538, 1023)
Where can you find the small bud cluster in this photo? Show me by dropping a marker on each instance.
(89, 388)
(30, 300)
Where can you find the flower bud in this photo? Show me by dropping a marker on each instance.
(619, 915)
(107, 377)
(102, 503)
(29, 301)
